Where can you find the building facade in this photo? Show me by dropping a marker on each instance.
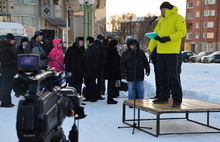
(203, 25)
(58, 18)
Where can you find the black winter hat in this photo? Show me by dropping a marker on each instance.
(37, 33)
(10, 36)
(113, 43)
(109, 37)
(79, 38)
(166, 4)
(90, 39)
(100, 37)
(24, 39)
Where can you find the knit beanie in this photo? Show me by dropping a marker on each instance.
(166, 5)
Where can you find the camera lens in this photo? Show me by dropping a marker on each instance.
(20, 86)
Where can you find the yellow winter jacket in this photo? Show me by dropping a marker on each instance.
(172, 25)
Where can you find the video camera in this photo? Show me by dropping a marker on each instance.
(45, 104)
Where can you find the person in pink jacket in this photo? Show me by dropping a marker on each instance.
(57, 53)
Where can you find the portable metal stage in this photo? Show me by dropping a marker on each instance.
(188, 106)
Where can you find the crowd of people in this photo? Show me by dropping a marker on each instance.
(102, 60)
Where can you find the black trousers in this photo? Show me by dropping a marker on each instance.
(112, 90)
(6, 90)
(169, 76)
(91, 88)
(0, 88)
(100, 84)
(78, 87)
(156, 79)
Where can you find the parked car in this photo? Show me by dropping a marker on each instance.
(197, 58)
(15, 28)
(216, 58)
(209, 58)
(187, 54)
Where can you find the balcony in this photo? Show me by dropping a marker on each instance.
(56, 14)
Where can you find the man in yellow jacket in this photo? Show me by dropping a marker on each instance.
(171, 28)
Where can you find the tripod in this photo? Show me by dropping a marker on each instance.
(134, 95)
(135, 80)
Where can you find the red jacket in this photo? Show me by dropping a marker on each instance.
(56, 53)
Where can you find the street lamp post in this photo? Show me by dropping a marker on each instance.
(86, 5)
(197, 43)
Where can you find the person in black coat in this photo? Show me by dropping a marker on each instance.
(74, 63)
(8, 58)
(23, 44)
(112, 70)
(133, 63)
(99, 42)
(91, 67)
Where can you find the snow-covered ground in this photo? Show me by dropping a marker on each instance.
(199, 81)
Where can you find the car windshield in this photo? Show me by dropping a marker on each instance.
(202, 54)
(216, 53)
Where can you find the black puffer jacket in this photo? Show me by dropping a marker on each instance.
(128, 64)
(74, 62)
(8, 58)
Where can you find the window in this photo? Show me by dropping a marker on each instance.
(209, 2)
(190, 5)
(209, 13)
(190, 15)
(198, 3)
(29, 1)
(24, 1)
(208, 24)
(208, 35)
(197, 14)
(21, 9)
(19, 1)
(207, 47)
(197, 25)
(189, 26)
(189, 36)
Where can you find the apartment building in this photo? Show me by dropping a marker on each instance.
(58, 18)
(203, 25)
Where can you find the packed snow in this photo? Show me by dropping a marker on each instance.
(199, 81)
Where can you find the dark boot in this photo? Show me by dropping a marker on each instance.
(112, 101)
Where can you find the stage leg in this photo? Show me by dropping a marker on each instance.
(123, 113)
(158, 125)
(207, 117)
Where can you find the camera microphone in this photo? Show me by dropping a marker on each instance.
(153, 20)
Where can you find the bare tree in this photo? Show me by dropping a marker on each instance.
(128, 24)
(143, 26)
(120, 24)
(100, 26)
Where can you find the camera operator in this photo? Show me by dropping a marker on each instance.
(8, 59)
(35, 46)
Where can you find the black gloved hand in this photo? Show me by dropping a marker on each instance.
(124, 76)
(157, 38)
(162, 39)
(148, 71)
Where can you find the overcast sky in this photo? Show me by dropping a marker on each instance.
(141, 7)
